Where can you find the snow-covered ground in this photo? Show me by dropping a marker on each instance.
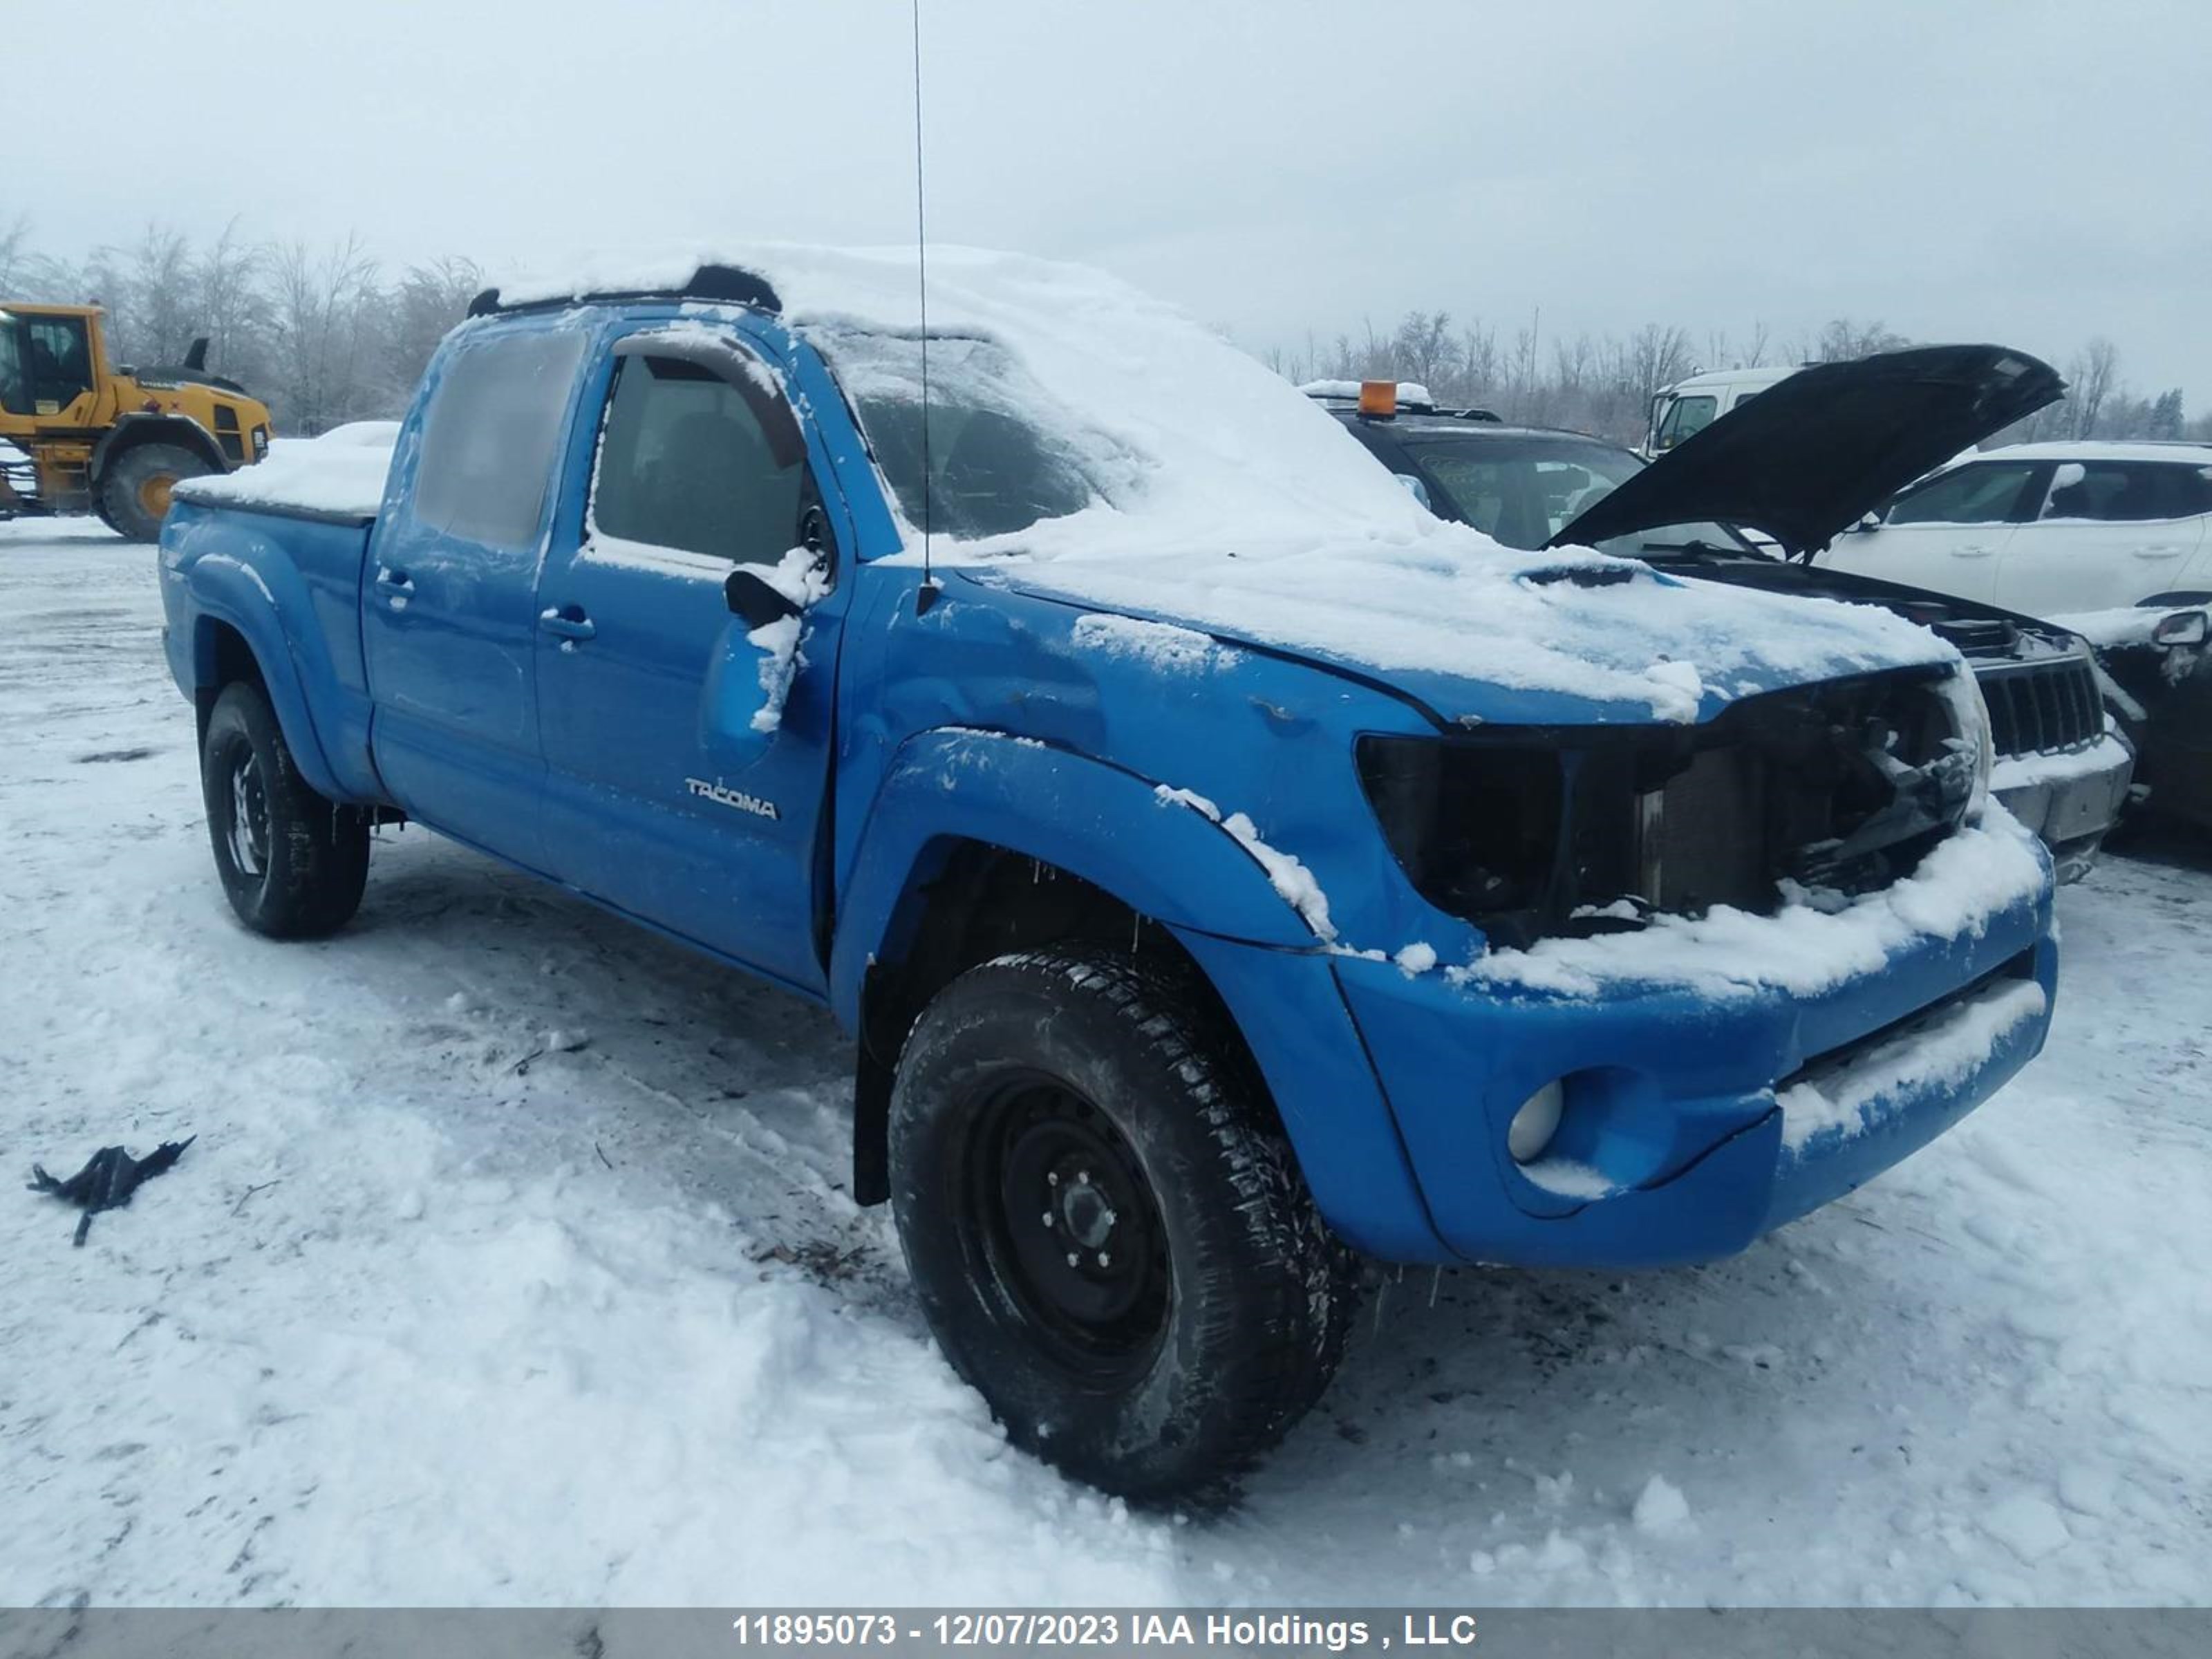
(512, 1264)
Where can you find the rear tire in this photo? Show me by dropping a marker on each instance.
(1105, 1226)
(134, 488)
(292, 863)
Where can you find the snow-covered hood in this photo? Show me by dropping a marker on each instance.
(1479, 633)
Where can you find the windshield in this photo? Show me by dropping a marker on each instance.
(992, 468)
(1523, 491)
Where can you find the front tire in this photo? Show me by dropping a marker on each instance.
(135, 488)
(292, 863)
(1106, 1228)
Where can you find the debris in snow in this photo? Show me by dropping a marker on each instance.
(1416, 958)
(2029, 1526)
(108, 1180)
(1661, 1508)
(566, 1041)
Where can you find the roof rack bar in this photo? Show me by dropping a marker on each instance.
(724, 284)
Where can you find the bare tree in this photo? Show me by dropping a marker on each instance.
(324, 334)
(2090, 379)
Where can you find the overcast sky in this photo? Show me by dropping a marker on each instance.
(2030, 171)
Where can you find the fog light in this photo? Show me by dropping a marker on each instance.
(1535, 1123)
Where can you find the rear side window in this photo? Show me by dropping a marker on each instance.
(1988, 492)
(2121, 492)
(490, 435)
(685, 463)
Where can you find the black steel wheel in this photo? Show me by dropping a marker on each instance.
(292, 863)
(1106, 1228)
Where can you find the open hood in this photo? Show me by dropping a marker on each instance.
(1814, 453)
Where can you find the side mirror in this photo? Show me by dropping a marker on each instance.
(2182, 628)
(753, 601)
(1867, 521)
(1415, 488)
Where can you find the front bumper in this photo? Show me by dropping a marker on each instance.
(1696, 1120)
(2071, 801)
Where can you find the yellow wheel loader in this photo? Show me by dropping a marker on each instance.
(90, 438)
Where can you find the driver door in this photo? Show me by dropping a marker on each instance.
(677, 791)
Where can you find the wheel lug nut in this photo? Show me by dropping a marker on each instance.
(1083, 1176)
(1073, 1260)
(1052, 1177)
(1048, 1218)
(1105, 1259)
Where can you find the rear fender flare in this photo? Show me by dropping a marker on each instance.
(265, 602)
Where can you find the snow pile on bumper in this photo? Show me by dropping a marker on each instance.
(1804, 949)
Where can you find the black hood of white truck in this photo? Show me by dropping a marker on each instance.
(1812, 455)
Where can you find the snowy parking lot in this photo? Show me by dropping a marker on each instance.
(513, 1263)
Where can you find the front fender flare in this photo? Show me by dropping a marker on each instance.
(1091, 819)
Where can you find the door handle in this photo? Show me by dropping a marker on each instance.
(2157, 552)
(1973, 551)
(397, 585)
(569, 621)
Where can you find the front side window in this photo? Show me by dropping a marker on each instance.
(1001, 453)
(15, 386)
(685, 463)
(1986, 492)
(489, 438)
(1686, 418)
(60, 352)
(2123, 492)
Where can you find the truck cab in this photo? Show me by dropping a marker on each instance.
(1227, 871)
(1686, 408)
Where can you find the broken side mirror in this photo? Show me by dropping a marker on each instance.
(753, 601)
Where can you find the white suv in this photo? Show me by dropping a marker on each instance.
(2049, 528)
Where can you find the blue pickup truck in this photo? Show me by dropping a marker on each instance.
(1227, 870)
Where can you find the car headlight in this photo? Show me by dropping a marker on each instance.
(1533, 833)
(1970, 717)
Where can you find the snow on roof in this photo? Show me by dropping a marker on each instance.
(2096, 449)
(1227, 500)
(341, 472)
(1725, 377)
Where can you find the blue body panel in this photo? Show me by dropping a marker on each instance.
(1023, 720)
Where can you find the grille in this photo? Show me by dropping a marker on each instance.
(2036, 709)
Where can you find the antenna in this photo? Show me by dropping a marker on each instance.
(926, 595)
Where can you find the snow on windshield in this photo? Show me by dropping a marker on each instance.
(1166, 472)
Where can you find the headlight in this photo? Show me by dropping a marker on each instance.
(1970, 720)
(1533, 833)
